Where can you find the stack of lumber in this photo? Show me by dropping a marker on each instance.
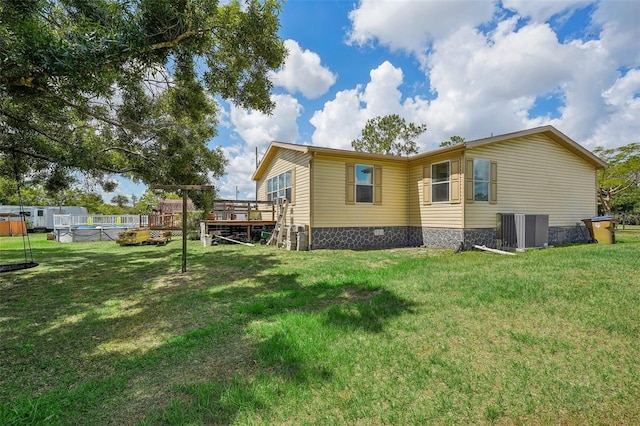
(134, 237)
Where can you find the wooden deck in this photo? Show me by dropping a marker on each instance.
(240, 222)
(240, 219)
(240, 230)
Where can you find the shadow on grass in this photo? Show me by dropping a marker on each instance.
(145, 342)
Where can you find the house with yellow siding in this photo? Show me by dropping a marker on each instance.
(441, 198)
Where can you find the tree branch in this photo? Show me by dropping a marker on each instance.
(176, 41)
(30, 126)
(128, 151)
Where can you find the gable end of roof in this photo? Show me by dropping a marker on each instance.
(552, 133)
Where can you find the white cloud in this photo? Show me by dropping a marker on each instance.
(592, 73)
(624, 91)
(381, 95)
(487, 84)
(620, 30)
(412, 25)
(237, 181)
(521, 63)
(541, 10)
(302, 72)
(621, 125)
(341, 120)
(338, 123)
(258, 129)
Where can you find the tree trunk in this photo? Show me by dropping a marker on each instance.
(605, 201)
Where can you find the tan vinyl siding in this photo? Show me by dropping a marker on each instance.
(299, 164)
(415, 193)
(434, 215)
(330, 208)
(535, 175)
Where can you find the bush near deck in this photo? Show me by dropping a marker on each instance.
(103, 334)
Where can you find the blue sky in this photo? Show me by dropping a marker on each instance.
(467, 68)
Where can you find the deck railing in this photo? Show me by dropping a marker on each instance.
(223, 210)
(62, 221)
(164, 220)
(242, 210)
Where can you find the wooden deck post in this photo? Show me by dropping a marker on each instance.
(184, 231)
(184, 189)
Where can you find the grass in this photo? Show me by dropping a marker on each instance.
(100, 334)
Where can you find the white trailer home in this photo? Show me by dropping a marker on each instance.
(40, 218)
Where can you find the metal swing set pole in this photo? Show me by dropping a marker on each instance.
(26, 242)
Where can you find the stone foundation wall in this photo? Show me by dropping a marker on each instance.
(568, 234)
(377, 237)
(450, 237)
(442, 237)
(367, 237)
(480, 237)
(414, 236)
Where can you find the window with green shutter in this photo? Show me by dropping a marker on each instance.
(363, 184)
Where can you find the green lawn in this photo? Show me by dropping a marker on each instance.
(102, 334)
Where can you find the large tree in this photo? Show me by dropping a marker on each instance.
(390, 135)
(120, 200)
(128, 86)
(621, 179)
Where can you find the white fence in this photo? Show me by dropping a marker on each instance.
(67, 221)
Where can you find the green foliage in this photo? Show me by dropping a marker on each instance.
(128, 87)
(35, 194)
(618, 184)
(147, 201)
(120, 200)
(76, 197)
(32, 195)
(453, 140)
(390, 135)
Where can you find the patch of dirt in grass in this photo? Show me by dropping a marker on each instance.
(355, 294)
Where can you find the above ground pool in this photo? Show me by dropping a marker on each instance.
(82, 233)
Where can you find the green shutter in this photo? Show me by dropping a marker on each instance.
(454, 178)
(493, 191)
(426, 184)
(468, 178)
(377, 185)
(350, 179)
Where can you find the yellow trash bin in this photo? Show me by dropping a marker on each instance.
(603, 229)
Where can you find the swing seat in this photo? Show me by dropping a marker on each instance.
(10, 267)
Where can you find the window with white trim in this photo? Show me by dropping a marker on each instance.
(481, 179)
(279, 187)
(440, 178)
(364, 183)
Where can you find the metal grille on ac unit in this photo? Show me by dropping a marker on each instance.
(521, 231)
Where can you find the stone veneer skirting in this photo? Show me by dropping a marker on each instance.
(377, 237)
(366, 237)
(568, 234)
(451, 238)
